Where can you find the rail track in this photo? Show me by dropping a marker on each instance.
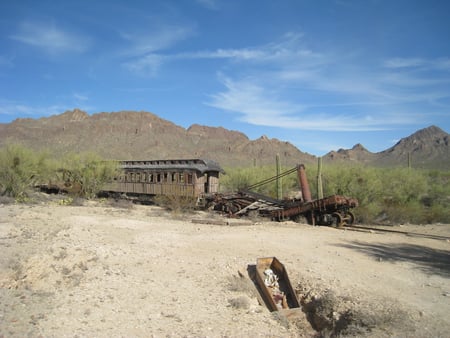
(382, 230)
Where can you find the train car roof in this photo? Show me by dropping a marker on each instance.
(200, 165)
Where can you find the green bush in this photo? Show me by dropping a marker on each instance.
(87, 173)
(20, 170)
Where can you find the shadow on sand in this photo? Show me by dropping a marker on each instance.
(430, 261)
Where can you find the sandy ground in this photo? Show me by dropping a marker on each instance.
(100, 270)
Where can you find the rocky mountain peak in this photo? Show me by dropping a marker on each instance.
(359, 147)
(143, 135)
(73, 115)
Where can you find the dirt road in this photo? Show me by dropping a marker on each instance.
(99, 270)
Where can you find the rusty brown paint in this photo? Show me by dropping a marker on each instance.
(304, 185)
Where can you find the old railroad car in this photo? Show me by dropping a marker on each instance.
(179, 177)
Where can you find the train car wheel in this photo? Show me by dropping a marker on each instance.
(337, 220)
(350, 218)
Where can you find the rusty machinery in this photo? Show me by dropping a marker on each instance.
(333, 210)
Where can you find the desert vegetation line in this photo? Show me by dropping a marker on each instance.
(395, 195)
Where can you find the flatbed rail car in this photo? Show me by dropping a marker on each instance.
(331, 210)
(177, 177)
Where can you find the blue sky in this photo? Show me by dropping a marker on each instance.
(321, 74)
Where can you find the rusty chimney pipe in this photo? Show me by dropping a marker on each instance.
(304, 186)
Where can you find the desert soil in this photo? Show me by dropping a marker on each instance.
(106, 270)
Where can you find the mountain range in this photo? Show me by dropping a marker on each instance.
(143, 135)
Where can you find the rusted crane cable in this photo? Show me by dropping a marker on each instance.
(271, 179)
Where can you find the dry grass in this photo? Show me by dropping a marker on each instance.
(7, 200)
(121, 203)
(334, 316)
(241, 302)
(241, 284)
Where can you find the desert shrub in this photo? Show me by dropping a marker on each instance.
(87, 173)
(176, 204)
(437, 197)
(121, 203)
(238, 178)
(241, 302)
(20, 170)
(241, 284)
(393, 194)
(7, 200)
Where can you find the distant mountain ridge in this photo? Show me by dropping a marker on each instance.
(143, 135)
(426, 148)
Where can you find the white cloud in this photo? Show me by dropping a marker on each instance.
(210, 4)
(147, 65)
(289, 49)
(80, 97)
(149, 56)
(144, 50)
(154, 39)
(236, 54)
(252, 101)
(334, 93)
(256, 105)
(13, 108)
(403, 62)
(50, 38)
(418, 63)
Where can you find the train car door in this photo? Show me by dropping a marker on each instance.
(207, 182)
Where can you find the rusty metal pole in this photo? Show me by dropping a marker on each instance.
(319, 179)
(304, 185)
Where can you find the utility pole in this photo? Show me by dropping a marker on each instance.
(319, 179)
(279, 182)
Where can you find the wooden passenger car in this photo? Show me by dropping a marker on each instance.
(179, 177)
